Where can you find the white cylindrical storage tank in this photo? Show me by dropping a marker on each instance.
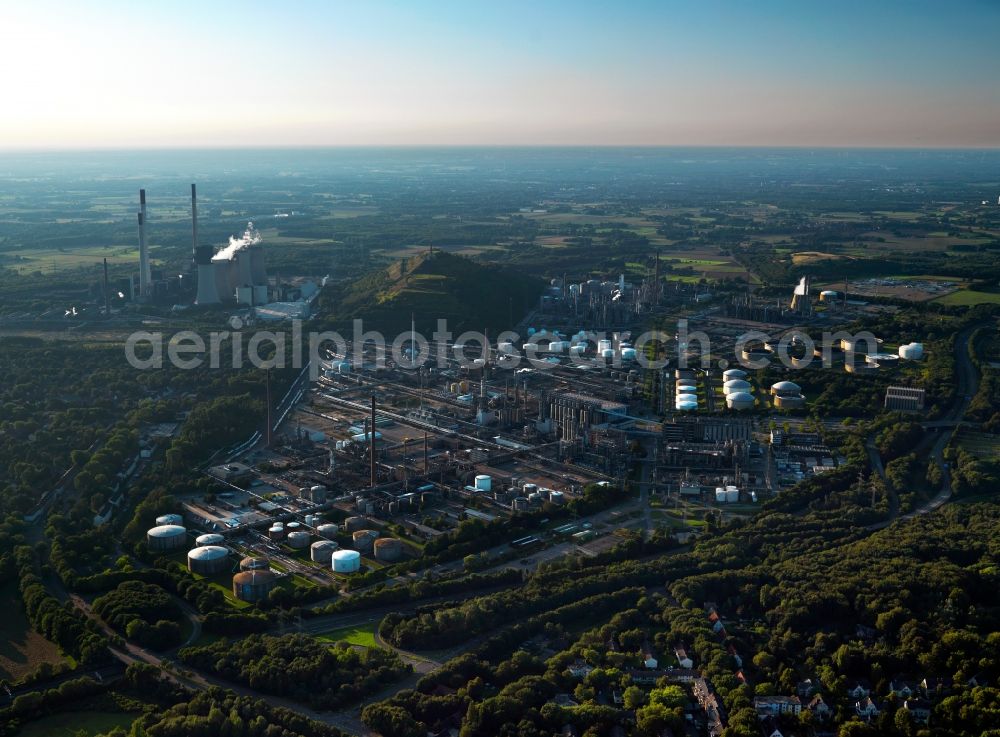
(720, 495)
(686, 406)
(607, 354)
(686, 388)
(734, 373)
(484, 482)
(166, 537)
(322, 551)
(912, 351)
(828, 295)
(732, 496)
(208, 560)
(736, 385)
(210, 538)
(628, 354)
(557, 497)
(328, 531)
(786, 387)
(276, 531)
(740, 400)
(603, 345)
(298, 539)
(529, 489)
(346, 561)
(686, 398)
(169, 519)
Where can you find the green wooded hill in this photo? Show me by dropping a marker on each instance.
(433, 285)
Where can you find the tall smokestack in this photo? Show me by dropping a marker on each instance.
(107, 292)
(194, 223)
(143, 260)
(371, 447)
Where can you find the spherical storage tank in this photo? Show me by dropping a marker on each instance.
(328, 531)
(388, 549)
(211, 538)
(346, 561)
(254, 564)
(208, 560)
(298, 539)
(169, 519)
(364, 540)
(322, 551)
(740, 400)
(166, 537)
(736, 385)
(253, 585)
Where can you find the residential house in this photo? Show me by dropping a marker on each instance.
(736, 656)
(649, 657)
(902, 688)
(769, 728)
(776, 705)
(920, 709)
(933, 687)
(682, 657)
(806, 688)
(819, 707)
(859, 689)
(580, 669)
(866, 708)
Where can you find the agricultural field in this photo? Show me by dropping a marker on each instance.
(969, 297)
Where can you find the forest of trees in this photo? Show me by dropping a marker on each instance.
(298, 667)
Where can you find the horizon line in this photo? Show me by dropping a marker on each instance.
(508, 146)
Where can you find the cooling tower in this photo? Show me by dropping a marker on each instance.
(208, 293)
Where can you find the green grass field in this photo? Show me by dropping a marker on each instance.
(21, 648)
(362, 634)
(73, 723)
(968, 298)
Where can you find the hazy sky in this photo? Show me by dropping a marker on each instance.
(106, 73)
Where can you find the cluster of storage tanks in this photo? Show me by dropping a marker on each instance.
(530, 495)
(739, 393)
(728, 494)
(575, 345)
